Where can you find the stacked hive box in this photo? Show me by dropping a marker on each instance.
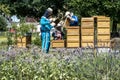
(103, 31)
(87, 32)
(23, 41)
(73, 37)
(58, 43)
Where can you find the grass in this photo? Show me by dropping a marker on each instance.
(3, 42)
(3, 39)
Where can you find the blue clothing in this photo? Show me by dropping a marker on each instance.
(45, 37)
(74, 23)
(45, 33)
(45, 24)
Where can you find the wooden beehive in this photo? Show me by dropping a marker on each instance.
(66, 23)
(58, 43)
(103, 31)
(73, 37)
(87, 32)
(23, 41)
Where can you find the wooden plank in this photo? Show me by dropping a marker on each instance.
(87, 24)
(87, 45)
(87, 31)
(73, 27)
(103, 31)
(73, 38)
(23, 39)
(74, 45)
(103, 37)
(58, 41)
(73, 41)
(87, 38)
(103, 24)
(103, 19)
(87, 27)
(73, 31)
(21, 45)
(19, 39)
(103, 44)
(66, 24)
(87, 19)
(58, 44)
(87, 41)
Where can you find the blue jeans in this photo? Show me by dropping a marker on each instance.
(45, 38)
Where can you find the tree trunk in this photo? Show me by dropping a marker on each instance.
(114, 29)
(114, 26)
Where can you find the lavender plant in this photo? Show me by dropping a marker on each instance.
(60, 64)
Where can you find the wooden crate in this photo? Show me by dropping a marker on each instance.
(103, 37)
(23, 41)
(58, 43)
(87, 32)
(73, 44)
(103, 19)
(87, 19)
(87, 44)
(73, 36)
(103, 31)
(21, 44)
(87, 38)
(87, 24)
(73, 30)
(105, 24)
(66, 23)
(103, 44)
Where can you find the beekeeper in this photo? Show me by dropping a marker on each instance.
(46, 26)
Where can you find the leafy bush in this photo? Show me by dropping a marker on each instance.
(63, 64)
(37, 41)
(3, 23)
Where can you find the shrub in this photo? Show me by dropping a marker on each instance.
(37, 41)
(3, 23)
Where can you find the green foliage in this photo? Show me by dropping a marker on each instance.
(24, 29)
(9, 38)
(37, 41)
(3, 23)
(81, 8)
(4, 9)
(28, 65)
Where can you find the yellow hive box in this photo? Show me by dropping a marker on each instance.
(58, 43)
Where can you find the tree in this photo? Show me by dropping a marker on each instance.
(4, 9)
(88, 8)
(3, 23)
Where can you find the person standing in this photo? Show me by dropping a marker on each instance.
(72, 18)
(46, 26)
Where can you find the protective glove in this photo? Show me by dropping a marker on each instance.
(52, 19)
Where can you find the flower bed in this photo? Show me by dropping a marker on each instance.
(59, 64)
